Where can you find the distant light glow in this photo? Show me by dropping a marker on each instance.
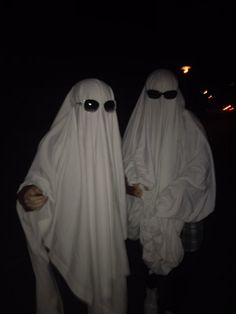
(228, 108)
(185, 69)
(209, 96)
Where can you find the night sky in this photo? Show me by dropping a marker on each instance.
(54, 47)
(202, 33)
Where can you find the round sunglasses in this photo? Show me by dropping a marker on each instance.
(169, 94)
(92, 105)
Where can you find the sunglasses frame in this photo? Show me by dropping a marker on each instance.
(156, 94)
(85, 103)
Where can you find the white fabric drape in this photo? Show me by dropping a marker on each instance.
(165, 149)
(82, 227)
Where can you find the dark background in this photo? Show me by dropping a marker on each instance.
(48, 49)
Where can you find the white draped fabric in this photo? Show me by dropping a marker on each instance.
(82, 227)
(165, 149)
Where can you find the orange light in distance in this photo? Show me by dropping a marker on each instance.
(185, 69)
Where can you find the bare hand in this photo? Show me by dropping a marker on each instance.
(31, 198)
(134, 190)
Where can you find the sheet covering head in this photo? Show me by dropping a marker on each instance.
(165, 149)
(162, 80)
(82, 227)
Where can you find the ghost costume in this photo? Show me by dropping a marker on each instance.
(166, 151)
(82, 227)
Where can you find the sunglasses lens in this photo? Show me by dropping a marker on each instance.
(91, 105)
(152, 93)
(170, 94)
(110, 106)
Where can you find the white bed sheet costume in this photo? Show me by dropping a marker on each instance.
(165, 149)
(83, 226)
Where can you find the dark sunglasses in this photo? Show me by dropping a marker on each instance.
(92, 105)
(169, 94)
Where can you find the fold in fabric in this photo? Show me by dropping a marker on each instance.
(166, 150)
(83, 226)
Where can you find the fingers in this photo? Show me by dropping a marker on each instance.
(138, 192)
(34, 201)
(32, 198)
(135, 190)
